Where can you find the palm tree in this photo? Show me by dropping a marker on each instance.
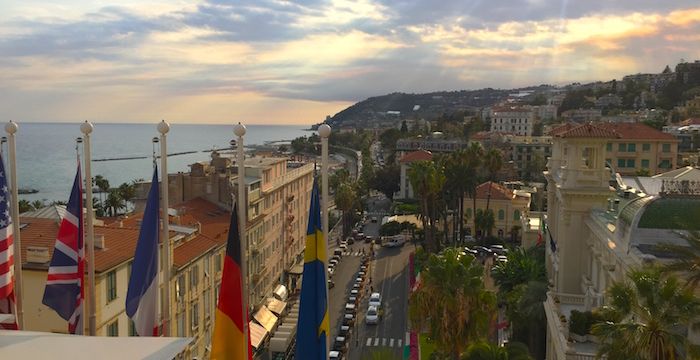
(647, 317)
(493, 162)
(127, 192)
(427, 179)
(114, 202)
(488, 351)
(37, 204)
(686, 258)
(485, 221)
(472, 161)
(103, 184)
(346, 200)
(24, 206)
(522, 286)
(452, 303)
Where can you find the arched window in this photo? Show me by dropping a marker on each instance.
(501, 214)
(516, 215)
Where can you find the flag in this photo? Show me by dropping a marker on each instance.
(228, 340)
(540, 240)
(64, 284)
(7, 274)
(142, 294)
(313, 325)
(552, 244)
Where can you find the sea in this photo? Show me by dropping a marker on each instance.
(46, 152)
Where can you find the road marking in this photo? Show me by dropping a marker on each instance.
(391, 342)
(369, 342)
(399, 344)
(384, 342)
(376, 341)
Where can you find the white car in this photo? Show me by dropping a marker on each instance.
(350, 308)
(372, 316)
(335, 355)
(375, 300)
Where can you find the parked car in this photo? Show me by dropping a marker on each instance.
(331, 284)
(394, 242)
(333, 261)
(471, 251)
(374, 219)
(354, 292)
(375, 300)
(372, 316)
(498, 249)
(349, 319)
(345, 331)
(335, 355)
(343, 246)
(368, 239)
(350, 308)
(340, 345)
(338, 252)
(351, 241)
(331, 270)
(353, 299)
(484, 251)
(335, 257)
(502, 258)
(469, 238)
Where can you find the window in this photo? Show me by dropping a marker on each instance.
(516, 215)
(665, 164)
(621, 147)
(645, 163)
(111, 285)
(181, 324)
(646, 147)
(180, 287)
(194, 277)
(631, 147)
(501, 214)
(113, 328)
(608, 147)
(630, 163)
(666, 147)
(620, 163)
(217, 262)
(207, 303)
(194, 317)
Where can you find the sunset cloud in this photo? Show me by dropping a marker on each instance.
(264, 61)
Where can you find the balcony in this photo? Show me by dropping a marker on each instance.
(558, 306)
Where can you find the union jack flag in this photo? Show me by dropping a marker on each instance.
(7, 276)
(64, 285)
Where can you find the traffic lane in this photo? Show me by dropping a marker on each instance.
(343, 278)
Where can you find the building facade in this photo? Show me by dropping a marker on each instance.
(508, 207)
(405, 187)
(513, 119)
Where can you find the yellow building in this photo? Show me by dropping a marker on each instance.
(508, 207)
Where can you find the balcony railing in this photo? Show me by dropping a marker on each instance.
(559, 305)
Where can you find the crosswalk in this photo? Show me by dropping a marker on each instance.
(385, 342)
(352, 253)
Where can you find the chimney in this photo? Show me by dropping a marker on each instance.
(37, 254)
(99, 241)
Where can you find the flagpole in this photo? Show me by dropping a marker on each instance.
(240, 130)
(324, 131)
(86, 128)
(11, 128)
(163, 128)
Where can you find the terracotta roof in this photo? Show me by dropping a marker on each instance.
(498, 191)
(191, 249)
(561, 129)
(690, 121)
(587, 131)
(481, 135)
(636, 131)
(417, 155)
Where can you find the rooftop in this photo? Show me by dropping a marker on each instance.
(418, 155)
(584, 131)
(636, 131)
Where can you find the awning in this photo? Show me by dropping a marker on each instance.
(257, 334)
(266, 318)
(40, 345)
(297, 270)
(281, 292)
(276, 306)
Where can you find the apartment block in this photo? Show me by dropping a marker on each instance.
(528, 154)
(639, 147)
(512, 119)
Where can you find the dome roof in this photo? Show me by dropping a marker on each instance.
(671, 213)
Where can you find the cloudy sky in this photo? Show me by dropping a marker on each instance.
(278, 61)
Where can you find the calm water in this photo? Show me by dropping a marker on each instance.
(46, 156)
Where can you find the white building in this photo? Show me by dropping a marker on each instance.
(512, 119)
(406, 190)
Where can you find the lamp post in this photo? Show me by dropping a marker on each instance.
(11, 129)
(86, 128)
(239, 130)
(163, 128)
(324, 131)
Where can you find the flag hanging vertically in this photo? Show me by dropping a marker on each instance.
(7, 278)
(142, 294)
(228, 340)
(313, 325)
(64, 284)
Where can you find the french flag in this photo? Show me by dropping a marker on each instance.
(142, 296)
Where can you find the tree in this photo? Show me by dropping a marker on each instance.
(646, 316)
(452, 303)
(686, 259)
(485, 221)
(103, 184)
(493, 162)
(346, 200)
(483, 350)
(404, 127)
(114, 202)
(387, 180)
(127, 192)
(37, 204)
(24, 206)
(427, 179)
(473, 159)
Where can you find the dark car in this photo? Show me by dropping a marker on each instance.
(331, 284)
(340, 344)
(345, 331)
(484, 251)
(368, 239)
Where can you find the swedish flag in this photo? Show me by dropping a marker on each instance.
(313, 327)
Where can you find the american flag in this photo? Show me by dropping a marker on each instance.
(7, 277)
(64, 285)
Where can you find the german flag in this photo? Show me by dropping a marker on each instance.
(313, 326)
(228, 341)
